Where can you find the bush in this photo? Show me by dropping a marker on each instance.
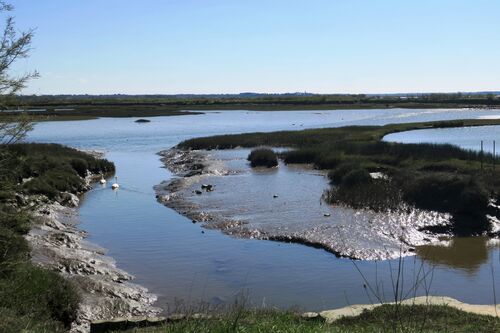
(13, 249)
(12, 322)
(40, 186)
(14, 220)
(53, 168)
(447, 192)
(356, 177)
(263, 157)
(64, 180)
(40, 294)
(327, 160)
(302, 156)
(336, 175)
(80, 166)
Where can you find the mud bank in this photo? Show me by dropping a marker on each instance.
(106, 291)
(357, 234)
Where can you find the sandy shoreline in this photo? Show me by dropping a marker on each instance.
(355, 310)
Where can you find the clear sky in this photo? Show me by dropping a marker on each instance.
(231, 46)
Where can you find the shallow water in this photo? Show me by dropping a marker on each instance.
(285, 203)
(466, 137)
(173, 258)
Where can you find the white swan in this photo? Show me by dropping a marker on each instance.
(102, 180)
(115, 184)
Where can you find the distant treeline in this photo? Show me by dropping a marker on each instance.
(92, 106)
(490, 98)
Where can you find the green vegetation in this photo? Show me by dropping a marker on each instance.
(386, 318)
(263, 157)
(439, 177)
(50, 169)
(33, 298)
(67, 107)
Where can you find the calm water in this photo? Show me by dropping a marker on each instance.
(174, 259)
(467, 137)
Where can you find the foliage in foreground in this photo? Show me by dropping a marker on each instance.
(32, 298)
(438, 177)
(387, 318)
(36, 299)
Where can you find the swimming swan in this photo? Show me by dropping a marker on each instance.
(115, 184)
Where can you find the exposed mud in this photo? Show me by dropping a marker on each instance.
(106, 292)
(357, 234)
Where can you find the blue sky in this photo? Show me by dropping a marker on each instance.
(231, 46)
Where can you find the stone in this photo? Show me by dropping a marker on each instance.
(201, 316)
(311, 316)
(176, 317)
(69, 199)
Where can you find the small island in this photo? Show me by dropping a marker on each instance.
(142, 121)
(263, 157)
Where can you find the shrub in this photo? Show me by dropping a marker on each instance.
(12, 322)
(327, 160)
(64, 180)
(300, 156)
(40, 294)
(356, 177)
(14, 220)
(13, 248)
(80, 166)
(336, 175)
(447, 192)
(40, 186)
(263, 157)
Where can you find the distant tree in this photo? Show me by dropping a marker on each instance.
(13, 46)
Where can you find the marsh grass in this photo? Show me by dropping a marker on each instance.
(439, 177)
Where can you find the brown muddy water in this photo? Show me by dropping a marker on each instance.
(181, 261)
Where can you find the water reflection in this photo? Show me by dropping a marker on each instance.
(464, 253)
(169, 255)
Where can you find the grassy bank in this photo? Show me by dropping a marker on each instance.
(439, 177)
(68, 107)
(32, 298)
(387, 318)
